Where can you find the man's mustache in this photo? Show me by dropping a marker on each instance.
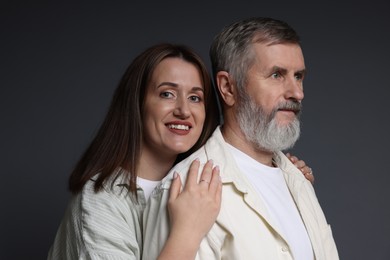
(292, 105)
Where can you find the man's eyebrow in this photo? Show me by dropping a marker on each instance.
(284, 71)
(277, 68)
(302, 72)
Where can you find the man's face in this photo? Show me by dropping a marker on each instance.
(268, 110)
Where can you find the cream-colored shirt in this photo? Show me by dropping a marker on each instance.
(104, 225)
(244, 228)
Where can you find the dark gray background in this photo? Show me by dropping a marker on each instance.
(61, 62)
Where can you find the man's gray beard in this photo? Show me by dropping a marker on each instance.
(262, 130)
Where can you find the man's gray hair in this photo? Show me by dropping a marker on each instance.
(231, 49)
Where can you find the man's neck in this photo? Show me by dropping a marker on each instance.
(235, 137)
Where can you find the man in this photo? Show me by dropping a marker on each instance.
(269, 210)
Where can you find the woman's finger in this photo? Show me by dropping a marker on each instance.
(300, 163)
(205, 177)
(192, 177)
(175, 186)
(308, 173)
(215, 180)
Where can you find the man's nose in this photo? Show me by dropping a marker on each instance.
(294, 89)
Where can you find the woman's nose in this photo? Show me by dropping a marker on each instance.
(182, 108)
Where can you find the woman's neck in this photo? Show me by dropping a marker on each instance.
(153, 166)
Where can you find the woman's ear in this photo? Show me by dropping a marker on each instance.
(226, 88)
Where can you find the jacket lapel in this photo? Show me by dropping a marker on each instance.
(300, 190)
(231, 175)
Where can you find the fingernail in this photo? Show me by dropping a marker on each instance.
(175, 174)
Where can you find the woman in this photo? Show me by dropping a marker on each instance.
(157, 117)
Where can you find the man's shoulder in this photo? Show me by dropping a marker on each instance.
(201, 154)
(285, 164)
(183, 166)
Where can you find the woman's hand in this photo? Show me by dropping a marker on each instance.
(192, 210)
(301, 165)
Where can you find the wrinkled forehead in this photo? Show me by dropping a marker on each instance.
(277, 53)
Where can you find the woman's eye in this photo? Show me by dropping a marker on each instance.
(166, 94)
(195, 99)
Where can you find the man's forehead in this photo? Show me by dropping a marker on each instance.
(283, 55)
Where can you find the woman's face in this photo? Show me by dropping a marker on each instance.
(174, 109)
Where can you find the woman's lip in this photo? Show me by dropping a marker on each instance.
(179, 129)
(179, 124)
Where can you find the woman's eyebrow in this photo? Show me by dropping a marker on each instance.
(175, 85)
(197, 89)
(167, 83)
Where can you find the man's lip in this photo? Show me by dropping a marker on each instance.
(295, 111)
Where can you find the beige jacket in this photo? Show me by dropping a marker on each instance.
(243, 229)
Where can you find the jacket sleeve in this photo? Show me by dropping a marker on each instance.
(101, 225)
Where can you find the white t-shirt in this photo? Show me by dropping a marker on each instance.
(147, 186)
(271, 187)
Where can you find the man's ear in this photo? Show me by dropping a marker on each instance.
(226, 87)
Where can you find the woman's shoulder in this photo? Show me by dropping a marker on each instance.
(113, 201)
(114, 188)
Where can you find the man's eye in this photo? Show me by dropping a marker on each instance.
(275, 75)
(299, 76)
